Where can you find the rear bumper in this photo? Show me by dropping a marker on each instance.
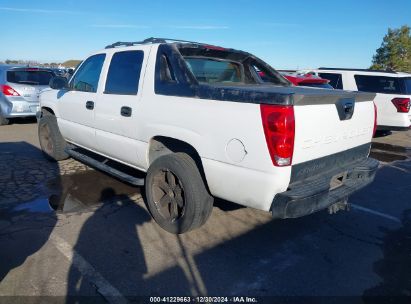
(22, 114)
(314, 194)
(18, 107)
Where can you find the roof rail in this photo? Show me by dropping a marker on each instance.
(149, 40)
(362, 70)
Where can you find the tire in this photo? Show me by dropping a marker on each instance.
(182, 205)
(3, 121)
(51, 142)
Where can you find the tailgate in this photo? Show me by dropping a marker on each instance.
(327, 125)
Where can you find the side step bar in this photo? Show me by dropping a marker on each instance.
(104, 167)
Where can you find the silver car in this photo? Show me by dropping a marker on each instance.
(19, 90)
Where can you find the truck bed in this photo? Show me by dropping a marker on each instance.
(272, 94)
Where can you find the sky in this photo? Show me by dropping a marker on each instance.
(286, 34)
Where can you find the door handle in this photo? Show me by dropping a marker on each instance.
(90, 105)
(126, 111)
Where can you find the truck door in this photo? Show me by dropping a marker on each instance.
(118, 106)
(77, 105)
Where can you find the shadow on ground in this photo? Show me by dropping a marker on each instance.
(319, 255)
(26, 220)
(382, 133)
(395, 266)
(22, 120)
(348, 254)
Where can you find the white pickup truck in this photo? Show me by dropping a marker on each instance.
(199, 122)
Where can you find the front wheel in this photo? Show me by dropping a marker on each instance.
(52, 142)
(176, 194)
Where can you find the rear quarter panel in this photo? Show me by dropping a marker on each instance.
(387, 112)
(210, 126)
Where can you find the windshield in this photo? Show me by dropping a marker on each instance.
(35, 77)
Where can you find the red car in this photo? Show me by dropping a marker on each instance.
(306, 79)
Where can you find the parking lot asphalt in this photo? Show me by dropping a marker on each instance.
(68, 230)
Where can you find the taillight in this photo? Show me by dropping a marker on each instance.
(375, 120)
(402, 104)
(279, 131)
(8, 91)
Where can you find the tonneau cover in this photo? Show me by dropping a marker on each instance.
(283, 95)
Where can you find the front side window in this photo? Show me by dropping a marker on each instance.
(124, 73)
(378, 84)
(87, 77)
(335, 79)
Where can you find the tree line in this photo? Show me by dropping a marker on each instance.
(68, 63)
(395, 51)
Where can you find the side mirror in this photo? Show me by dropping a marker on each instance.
(58, 83)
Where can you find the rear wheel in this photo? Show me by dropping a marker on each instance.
(3, 121)
(51, 142)
(177, 197)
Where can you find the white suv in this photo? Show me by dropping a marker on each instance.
(393, 92)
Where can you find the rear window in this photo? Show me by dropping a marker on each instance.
(215, 71)
(33, 77)
(380, 84)
(335, 79)
(219, 66)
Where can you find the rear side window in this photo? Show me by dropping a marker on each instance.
(124, 73)
(379, 84)
(335, 79)
(32, 77)
(407, 85)
(208, 70)
(87, 77)
(166, 70)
